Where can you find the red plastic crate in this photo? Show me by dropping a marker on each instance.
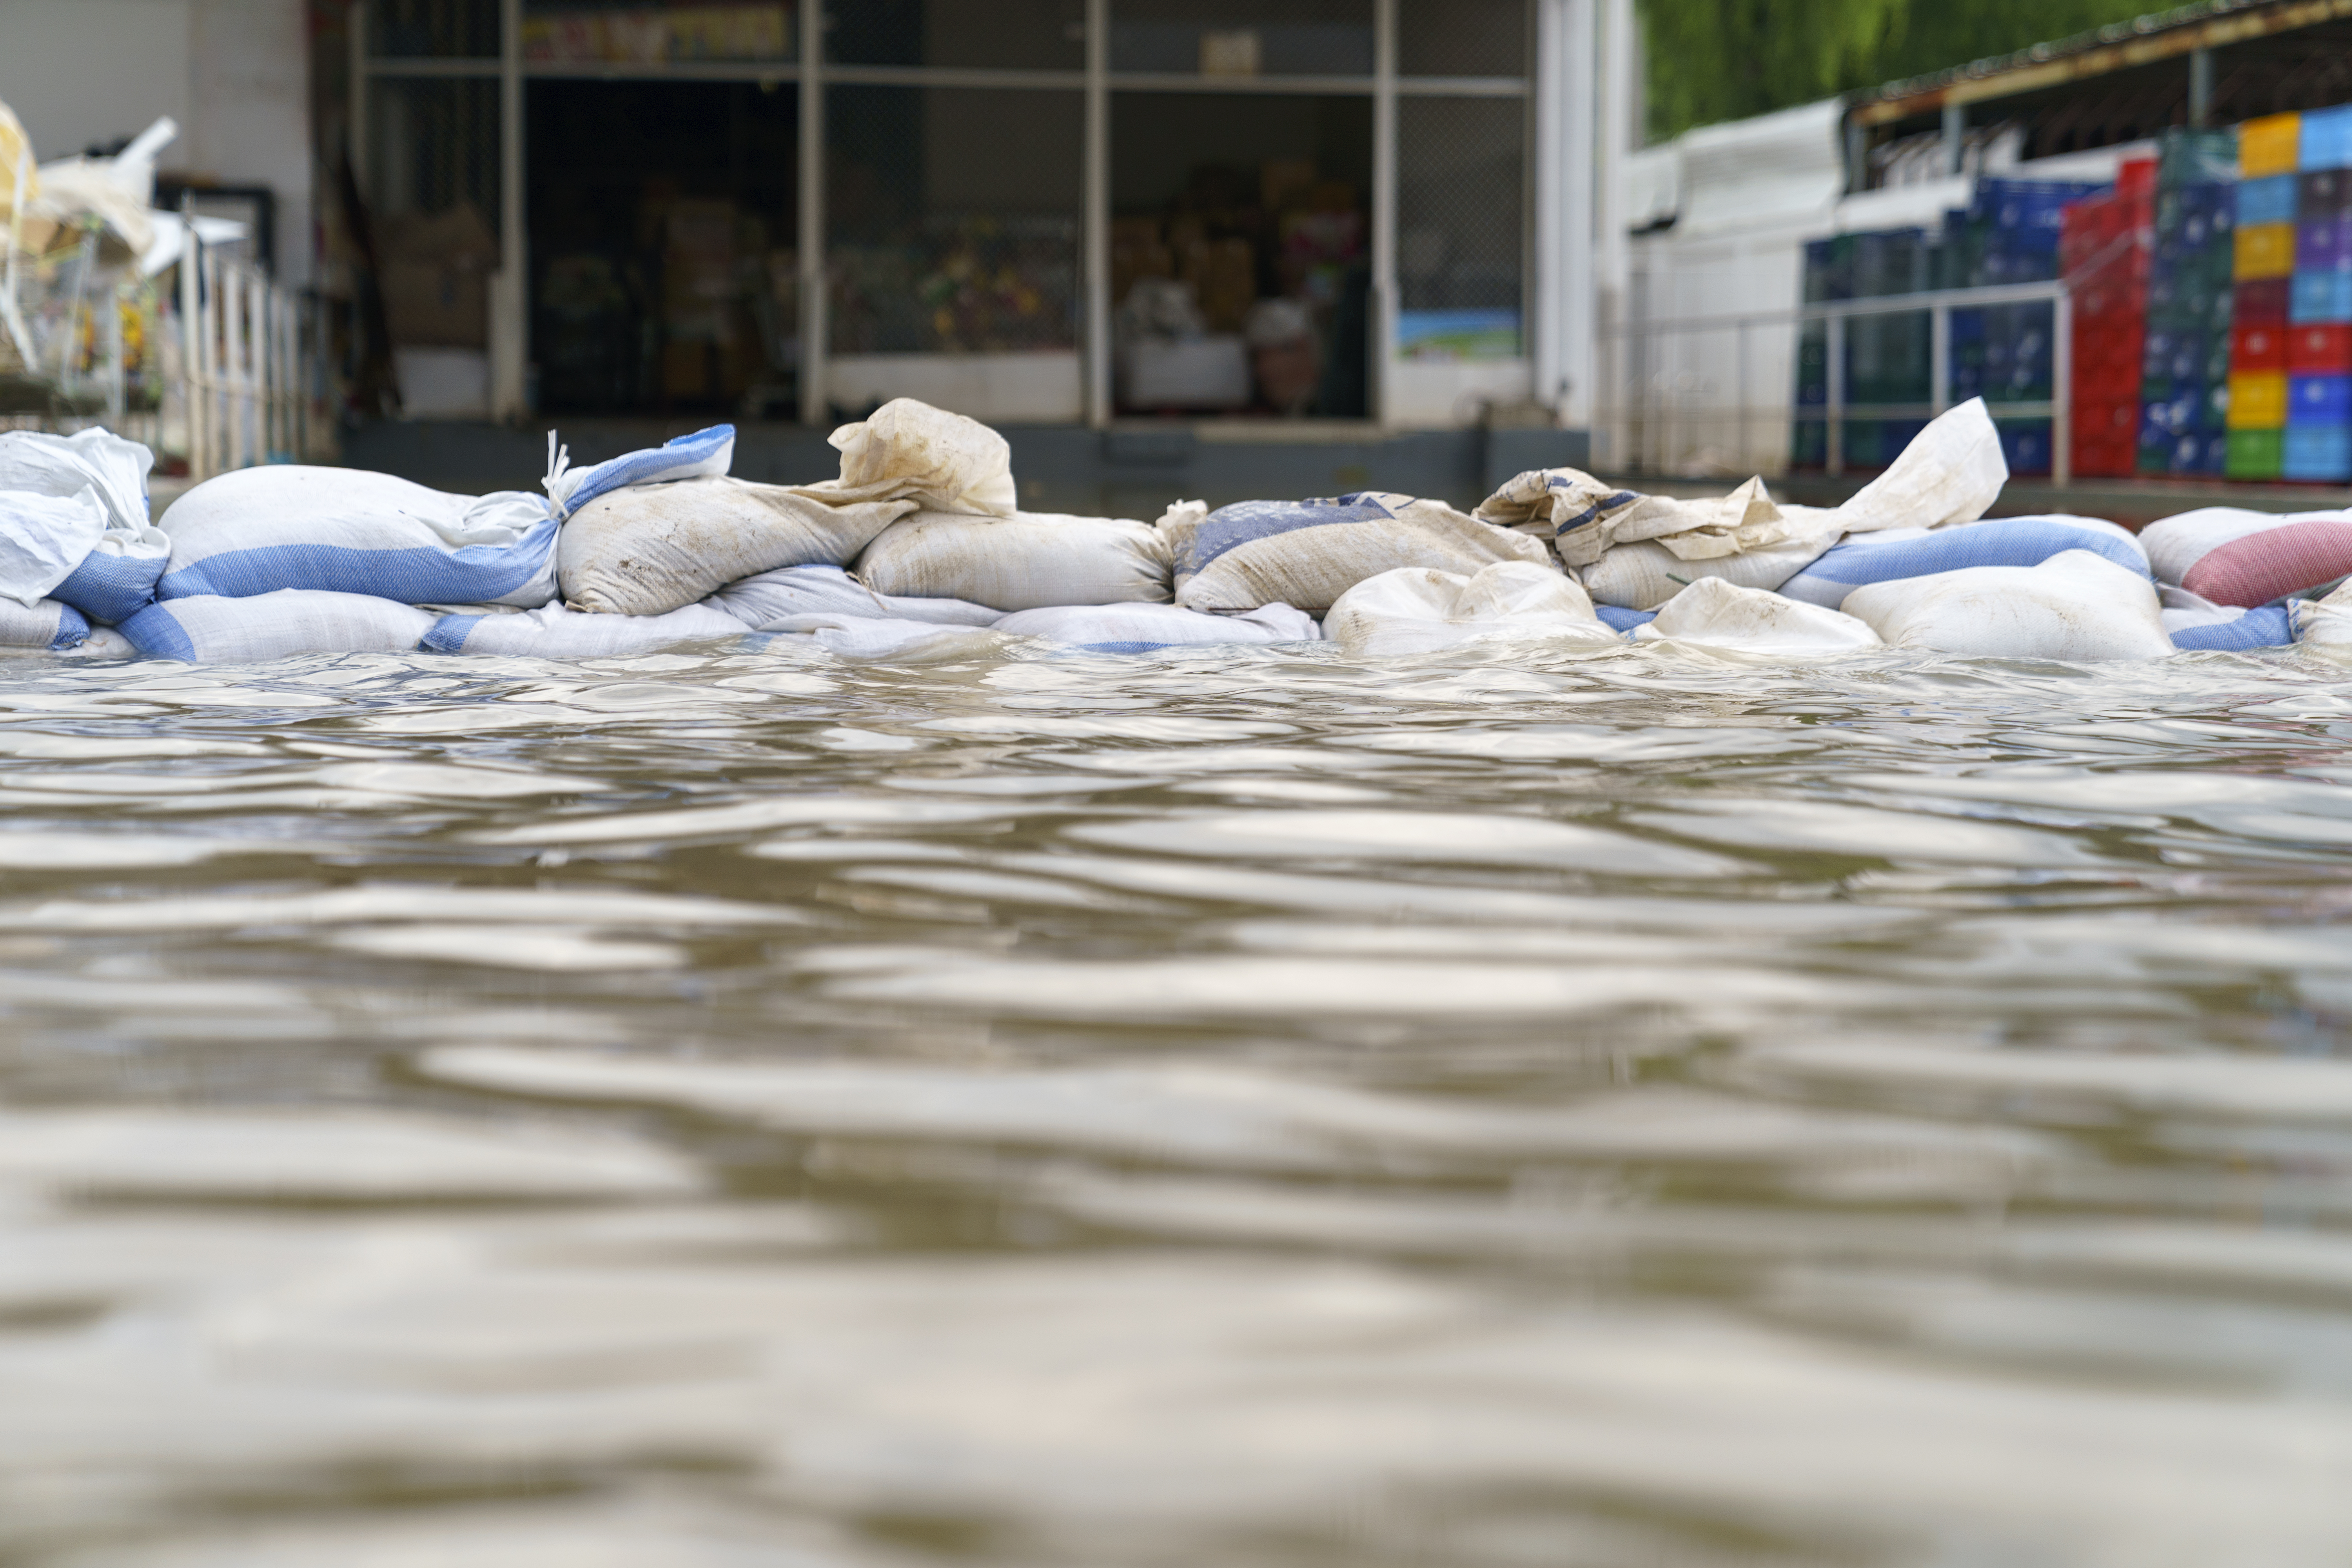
(2262, 301)
(2317, 349)
(2259, 345)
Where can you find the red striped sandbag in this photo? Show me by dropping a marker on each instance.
(2247, 558)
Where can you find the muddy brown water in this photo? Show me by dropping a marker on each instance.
(1231, 1107)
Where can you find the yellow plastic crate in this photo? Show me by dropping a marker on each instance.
(2265, 250)
(2269, 145)
(2257, 400)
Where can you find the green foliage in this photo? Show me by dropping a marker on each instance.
(1727, 59)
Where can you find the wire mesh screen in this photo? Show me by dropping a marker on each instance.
(1461, 226)
(1011, 35)
(432, 145)
(953, 219)
(1243, 38)
(1462, 38)
(408, 29)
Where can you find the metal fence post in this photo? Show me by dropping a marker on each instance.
(1833, 450)
(2061, 389)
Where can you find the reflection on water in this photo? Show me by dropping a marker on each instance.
(1229, 1106)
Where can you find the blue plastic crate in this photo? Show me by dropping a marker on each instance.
(2326, 139)
(2314, 400)
(2025, 445)
(2029, 206)
(2268, 200)
(2316, 297)
(2319, 454)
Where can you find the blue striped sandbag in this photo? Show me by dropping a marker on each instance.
(2000, 541)
(2269, 626)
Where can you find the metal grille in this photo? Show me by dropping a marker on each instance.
(1010, 34)
(443, 29)
(1243, 38)
(953, 219)
(1462, 38)
(1461, 226)
(434, 144)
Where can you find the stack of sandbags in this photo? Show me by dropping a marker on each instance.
(1418, 609)
(76, 545)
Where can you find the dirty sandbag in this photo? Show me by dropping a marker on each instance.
(1951, 472)
(1714, 612)
(553, 632)
(2325, 624)
(1645, 574)
(1309, 553)
(649, 549)
(911, 451)
(2233, 556)
(347, 531)
(1030, 560)
(2076, 605)
(768, 597)
(706, 454)
(213, 629)
(1148, 628)
(116, 576)
(1416, 609)
(1890, 553)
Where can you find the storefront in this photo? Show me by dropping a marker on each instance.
(1036, 211)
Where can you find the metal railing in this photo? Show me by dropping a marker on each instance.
(1834, 412)
(252, 363)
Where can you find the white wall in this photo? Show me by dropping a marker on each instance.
(233, 73)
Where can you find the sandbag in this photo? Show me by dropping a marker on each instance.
(1618, 618)
(907, 450)
(216, 629)
(2200, 625)
(651, 548)
(1030, 560)
(768, 598)
(2323, 623)
(2247, 558)
(1309, 553)
(706, 454)
(553, 632)
(1416, 609)
(347, 531)
(867, 636)
(103, 642)
(74, 524)
(2076, 605)
(1645, 574)
(1714, 613)
(43, 624)
(1146, 628)
(1881, 557)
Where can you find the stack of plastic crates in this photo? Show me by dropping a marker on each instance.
(2104, 248)
(2185, 398)
(2264, 252)
(2010, 234)
(2318, 353)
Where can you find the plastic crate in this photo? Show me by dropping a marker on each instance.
(2323, 244)
(2320, 348)
(2318, 400)
(2324, 139)
(2318, 454)
(2320, 192)
(2025, 445)
(2269, 145)
(2271, 199)
(2265, 250)
(2255, 455)
(2320, 297)
(2257, 400)
(2262, 299)
(2185, 157)
(2258, 345)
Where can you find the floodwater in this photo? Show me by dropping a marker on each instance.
(1233, 1107)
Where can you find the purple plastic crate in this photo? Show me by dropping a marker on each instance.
(2323, 244)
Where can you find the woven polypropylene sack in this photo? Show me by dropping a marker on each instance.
(1643, 575)
(43, 624)
(943, 462)
(706, 454)
(1714, 613)
(345, 531)
(62, 498)
(212, 629)
(1418, 609)
(1922, 552)
(2076, 605)
(2235, 557)
(1146, 628)
(1030, 560)
(1310, 553)
(761, 601)
(652, 549)
(553, 632)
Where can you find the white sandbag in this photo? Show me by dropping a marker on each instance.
(1417, 610)
(1715, 613)
(1645, 574)
(1949, 473)
(2230, 557)
(761, 601)
(2076, 605)
(907, 450)
(347, 531)
(1030, 560)
(651, 548)
(45, 624)
(553, 632)
(1309, 553)
(1889, 553)
(1146, 628)
(53, 490)
(103, 642)
(214, 630)
(866, 636)
(706, 454)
